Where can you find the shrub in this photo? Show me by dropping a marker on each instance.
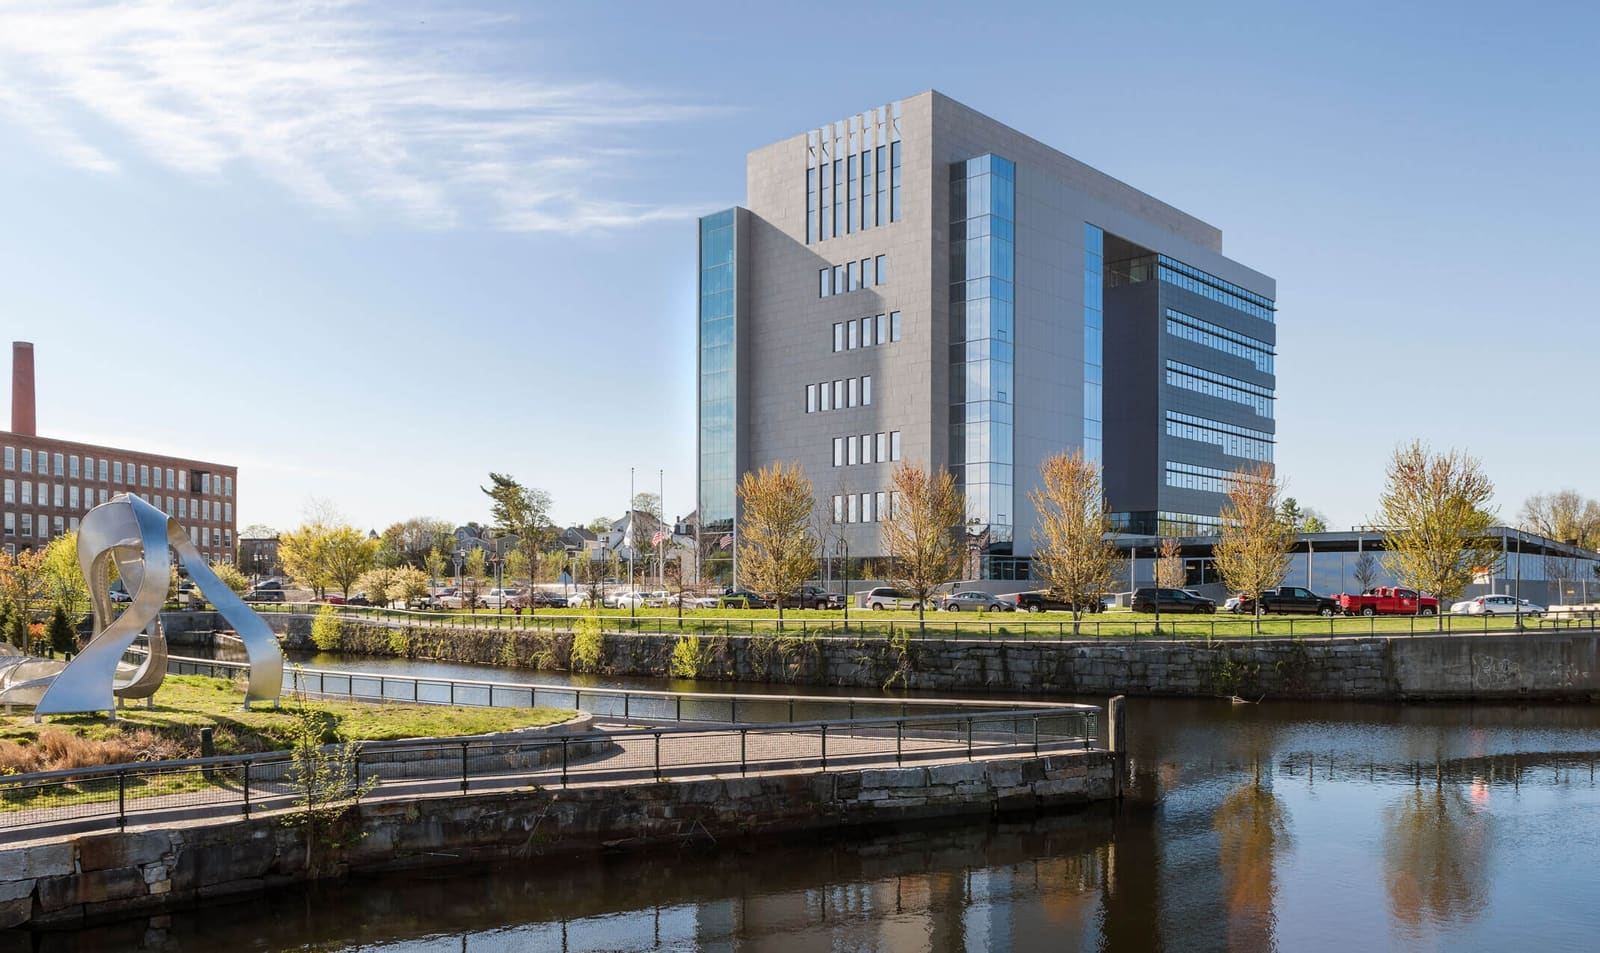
(325, 629)
(588, 643)
(58, 750)
(688, 657)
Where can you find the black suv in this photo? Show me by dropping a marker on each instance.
(1290, 599)
(813, 597)
(1171, 600)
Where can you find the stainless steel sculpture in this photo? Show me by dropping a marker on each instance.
(142, 539)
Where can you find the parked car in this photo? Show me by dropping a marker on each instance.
(358, 599)
(1170, 600)
(1290, 599)
(973, 600)
(741, 599)
(454, 598)
(578, 599)
(1497, 605)
(628, 600)
(254, 595)
(545, 599)
(333, 599)
(500, 597)
(813, 597)
(1232, 603)
(887, 597)
(1042, 601)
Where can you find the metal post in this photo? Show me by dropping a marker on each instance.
(741, 749)
(824, 747)
(969, 739)
(1117, 732)
(563, 762)
(899, 739)
(658, 755)
(463, 767)
(245, 783)
(1036, 736)
(122, 798)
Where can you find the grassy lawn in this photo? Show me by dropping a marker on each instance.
(187, 703)
(1116, 623)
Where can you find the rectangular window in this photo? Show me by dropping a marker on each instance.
(839, 226)
(866, 448)
(883, 501)
(156, 478)
(27, 460)
(811, 205)
(144, 475)
(227, 511)
(183, 508)
(11, 491)
(811, 398)
(59, 467)
(852, 216)
(88, 468)
(883, 447)
(866, 273)
(852, 391)
(104, 469)
(868, 194)
(894, 181)
(866, 391)
(827, 396)
(824, 174)
(61, 525)
(838, 395)
(58, 495)
(183, 479)
(866, 332)
(853, 514)
(883, 328)
(838, 337)
(852, 276)
(851, 456)
(883, 185)
(894, 445)
(838, 280)
(854, 337)
(881, 271)
(11, 524)
(27, 491)
(838, 451)
(894, 325)
(866, 507)
(11, 458)
(102, 494)
(72, 496)
(824, 282)
(838, 509)
(170, 484)
(116, 472)
(72, 466)
(27, 524)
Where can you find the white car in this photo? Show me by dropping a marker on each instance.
(1496, 605)
(658, 599)
(578, 599)
(628, 600)
(499, 598)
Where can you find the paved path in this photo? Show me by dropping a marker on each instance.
(636, 755)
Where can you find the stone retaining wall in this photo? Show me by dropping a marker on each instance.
(1493, 666)
(103, 876)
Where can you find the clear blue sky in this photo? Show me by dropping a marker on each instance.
(378, 250)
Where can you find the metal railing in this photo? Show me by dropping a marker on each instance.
(629, 706)
(53, 802)
(971, 626)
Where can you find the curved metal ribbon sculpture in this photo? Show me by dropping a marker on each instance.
(141, 539)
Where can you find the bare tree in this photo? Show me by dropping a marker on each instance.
(777, 550)
(923, 534)
(1366, 571)
(1560, 570)
(1561, 516)
(1252, 551)
(1435, 512)
(1170, 573)
(1071, 552)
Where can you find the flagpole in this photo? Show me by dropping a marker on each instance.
(661, 527)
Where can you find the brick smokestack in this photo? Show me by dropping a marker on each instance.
(22, 415)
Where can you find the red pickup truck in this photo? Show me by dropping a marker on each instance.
(1387, 600)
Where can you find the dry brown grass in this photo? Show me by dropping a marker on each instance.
(57, 750)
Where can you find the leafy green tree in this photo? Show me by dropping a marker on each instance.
(1435, 510)
(777, 551)
(347, 554)
(523, 512)
(62, 638)
(1071, 553)
(326, 629)
(231, 577)
(922, 536)
(63, 577)
(472, 576)
(1252, 551)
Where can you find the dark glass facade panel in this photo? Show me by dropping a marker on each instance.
(1241, 442)
(1093, 342)
(1218, 338)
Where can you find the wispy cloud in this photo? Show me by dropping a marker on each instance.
(353, 108)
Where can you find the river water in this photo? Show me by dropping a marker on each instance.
(1277, 826)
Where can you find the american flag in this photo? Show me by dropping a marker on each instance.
(725, 541)
(657, 537)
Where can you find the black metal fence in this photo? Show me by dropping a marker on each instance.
(33, 805)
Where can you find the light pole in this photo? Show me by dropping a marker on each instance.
(844, 557)
(461, 589)
(1155, 579)
(1517, 588)
(499, 583)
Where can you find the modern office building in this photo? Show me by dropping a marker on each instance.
(920, 282)
(49, 483)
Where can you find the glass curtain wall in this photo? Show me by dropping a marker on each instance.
(982, 265)
(718, 369)
(1093, 340)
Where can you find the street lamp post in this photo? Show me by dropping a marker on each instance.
(844, 557)
(1155, 579)
(499, 583)
(461, 589)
